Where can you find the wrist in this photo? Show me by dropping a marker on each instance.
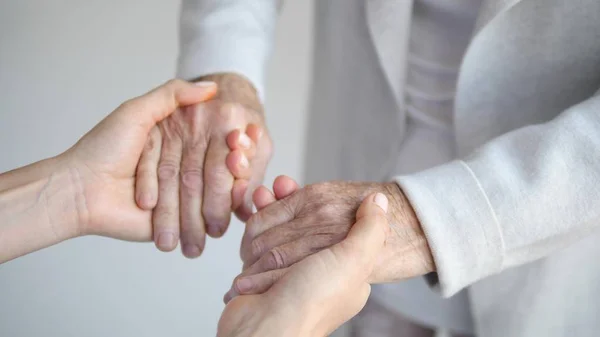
(37, 207)
(235, 88)
(407, 245)
(66, 206)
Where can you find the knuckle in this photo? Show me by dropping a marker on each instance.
(196, 142)
(228, 110)
(230, 113)
(329, 209)
(167, 170)
(192, 179)
(275, 259)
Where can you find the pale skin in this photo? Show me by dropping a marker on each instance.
(182, 175)
(321, 292)
(90, 188)
(319, 216)
(200, 169)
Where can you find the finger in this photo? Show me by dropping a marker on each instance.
(367, 236)
(262, 197)
(255, 132)
(276, 213)
(146, 178)
(259, 163)
(240, 188)
(284, 186)
(193, 233)
(156, 105)
(237, 193)
(279, 248)
(239, 140)
(218, 180)
(258, 168)
(254, 284)
(166, 213)
(375, 204)
(238, 164)
(218, 184)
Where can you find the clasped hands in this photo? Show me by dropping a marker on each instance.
(169, 164)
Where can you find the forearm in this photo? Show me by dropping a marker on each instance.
(38, 208)
(519, 198)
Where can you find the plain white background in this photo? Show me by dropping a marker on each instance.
(64, 65)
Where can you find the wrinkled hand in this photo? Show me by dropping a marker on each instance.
(103, 163)
(319, 216)
(183, 175)
(321, 292)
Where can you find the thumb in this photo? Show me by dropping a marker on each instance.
(162, 101)
(368, 235)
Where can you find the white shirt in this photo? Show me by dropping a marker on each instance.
(440, 33)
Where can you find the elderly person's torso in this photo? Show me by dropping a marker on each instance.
(529, 61)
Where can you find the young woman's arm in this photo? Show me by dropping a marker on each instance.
(89, 189)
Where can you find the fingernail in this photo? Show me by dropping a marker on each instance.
(381, 201)
(205, 84)
(244, 162)
(244, 285)
(250, 206)
(166, 241)
(244, 140)
(213, 230)
(191, 250)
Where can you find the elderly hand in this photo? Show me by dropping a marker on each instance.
(103, 163)
(183, 177)
(319, 216)
(322, 291)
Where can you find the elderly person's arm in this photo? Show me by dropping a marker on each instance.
(183, 177)
(520, 197)
(89, 189)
